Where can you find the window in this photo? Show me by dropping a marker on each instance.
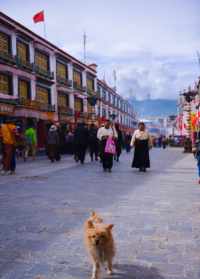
(90, 84)
(5, 43)
(62, 71)
(24, 89)
(104, 94)
(5, 84)
(78, 104)
(104, 112)
(22, 51)
(63, 100)
(109, 97)
(99, 89)
(43, 95)
(42, 60)
(114, 100)
(77, 78)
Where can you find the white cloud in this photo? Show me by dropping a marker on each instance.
(151, 44)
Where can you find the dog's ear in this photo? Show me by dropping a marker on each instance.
(93, 214)
(109, 227)
(90, 224)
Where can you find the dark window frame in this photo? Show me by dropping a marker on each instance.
(37, 50)
(66, 67)
(10, 81)
(29, 87)
(66, 96)
(27, 46)
(49, 92)
(9, 41)
(79, 72)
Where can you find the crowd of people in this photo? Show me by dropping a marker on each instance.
(103, 144)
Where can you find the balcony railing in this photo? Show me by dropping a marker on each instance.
(92, 93)
(79, 87)
(9, 101)
(43, 73)
(65, 110)
(24, 64)
(79, 114)
(32, 104)
(7, 57)
(64, 81)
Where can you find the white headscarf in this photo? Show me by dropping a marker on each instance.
(53, 128)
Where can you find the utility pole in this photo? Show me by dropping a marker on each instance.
(198, 57)
(84, 46)
(115, 79)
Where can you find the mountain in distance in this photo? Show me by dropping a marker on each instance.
(154, 107)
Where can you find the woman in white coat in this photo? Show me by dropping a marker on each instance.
(141, 141)
(103, 133)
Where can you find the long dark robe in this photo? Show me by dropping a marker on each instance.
(119, 144)
(93, 143)
(141, 154)
(107, 159)
(80, 142)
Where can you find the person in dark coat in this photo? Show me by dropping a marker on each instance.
(53, 143)
(119, 142)
(142, 142)
(69, 142)
(80, 142)
(93, 142)
(127, 142)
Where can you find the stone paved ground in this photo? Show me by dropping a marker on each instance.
(156, 217)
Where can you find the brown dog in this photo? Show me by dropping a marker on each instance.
(99, 243)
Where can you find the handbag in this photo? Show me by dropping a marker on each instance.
(110, 147)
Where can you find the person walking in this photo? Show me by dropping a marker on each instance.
(8, 133)
(119, 142)
(53, 143)
(164, 142)
(93, 142)
(196, 152)
(80, 142)
(107, 136)
(127, 142)
(142, 142)
(31, 141)
(69, 142)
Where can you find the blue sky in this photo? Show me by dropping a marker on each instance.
(151, 44)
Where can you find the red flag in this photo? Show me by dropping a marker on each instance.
(38, 17)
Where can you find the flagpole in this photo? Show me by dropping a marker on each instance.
(44, 28)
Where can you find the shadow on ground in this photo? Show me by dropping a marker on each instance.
(136, 272)
(121, 271)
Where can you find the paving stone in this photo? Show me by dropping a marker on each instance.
(156, 217)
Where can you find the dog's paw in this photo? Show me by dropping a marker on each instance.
(109, 272)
